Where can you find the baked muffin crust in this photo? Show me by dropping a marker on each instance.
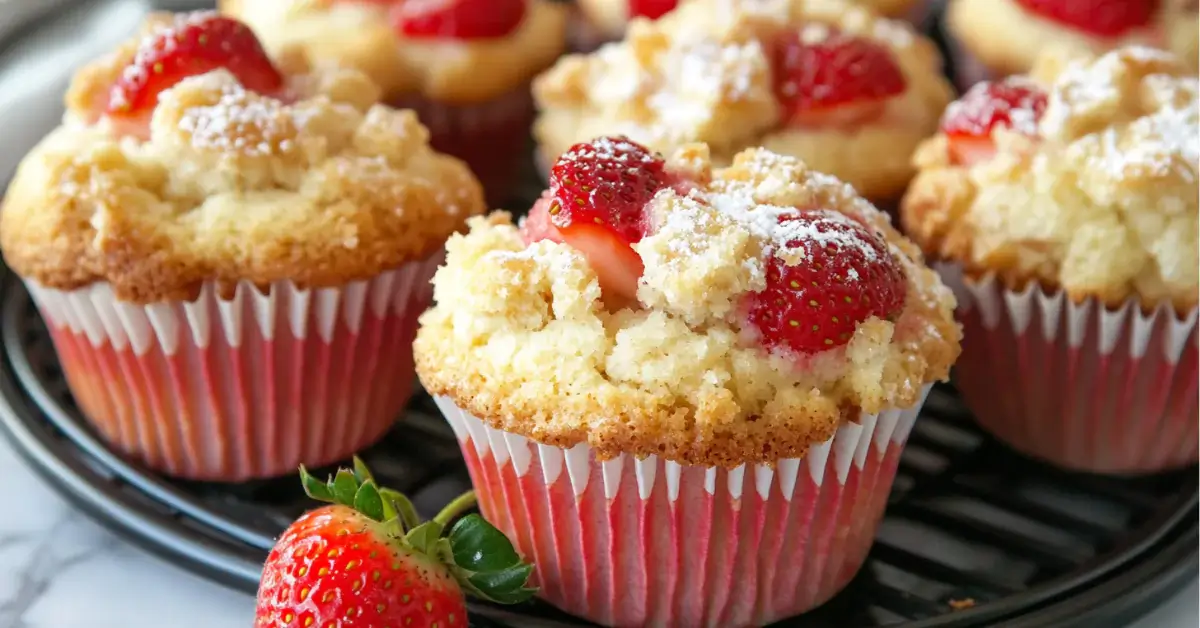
(321, 188)
(1008, 39)
(703, 74)
(359, 35)
(1101, 201)
(520, 336)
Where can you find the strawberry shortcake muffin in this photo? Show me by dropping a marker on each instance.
(463, 65)
(673, 376)
(598, 21)
(230, 253)
(847, 92)
(996, 38)
(1064, 206)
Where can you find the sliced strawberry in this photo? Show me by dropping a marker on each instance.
(198, 43)
(842, 275)
(840, 80)
(599, 193)
(1013, 103)
(458, 19)
(652, 9)
(1102, 18)
(537, 226)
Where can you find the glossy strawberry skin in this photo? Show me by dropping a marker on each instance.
(335, 567)
(537, 226)
(842, 79)
(198, 44)
(1101, 18)
(599, 193)
(1013, 103)
(652, 9)
(842, 275)
(458, 19)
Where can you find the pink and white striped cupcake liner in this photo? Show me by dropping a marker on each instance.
(627, 542)
(230, 389)
(1077, 384)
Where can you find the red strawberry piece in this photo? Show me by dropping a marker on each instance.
(652, 9)
(599, 191)
(458, 19)
(831, 274)
(198, 43)
(1013, 103)
(367, 560)
(842, 79)
(537, 226)
(1102, 18)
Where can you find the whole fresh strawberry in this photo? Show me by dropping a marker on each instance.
(368, 561)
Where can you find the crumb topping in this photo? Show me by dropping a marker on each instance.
(521, 337)
(320, 187)
(1098, 198)
(703, 73)
(361, 35)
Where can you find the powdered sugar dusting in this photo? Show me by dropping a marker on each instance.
(1147, 131)
(241, 122)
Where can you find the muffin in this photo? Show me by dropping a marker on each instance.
(231, 253)
(463, 66)
(996, 38)
(847, 92)
(672, 377)
(1064, 206)
(596, 22)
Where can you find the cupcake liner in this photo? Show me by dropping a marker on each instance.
(230, 389)
(1076, 384)
(491, 137)
(628, 542)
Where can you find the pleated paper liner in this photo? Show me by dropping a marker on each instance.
(629, 542)
(247, 387)
(1076, 384)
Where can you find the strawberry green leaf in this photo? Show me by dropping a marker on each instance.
(402, 507)
(344, 487)
(510, 579)
(424, 537)
(361, 472)
(510, 597)
(480, 547)
(368, 502)
(313, 487)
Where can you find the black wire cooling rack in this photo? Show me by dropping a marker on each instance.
(974, 534)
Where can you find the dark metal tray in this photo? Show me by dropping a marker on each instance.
(974, 534)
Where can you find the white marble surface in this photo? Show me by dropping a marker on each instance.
(58, 569)
(61, 570)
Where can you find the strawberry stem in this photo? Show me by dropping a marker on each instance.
(462, 503)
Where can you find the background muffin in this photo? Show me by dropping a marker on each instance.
(1067, 203)
(463, 66)
(599, 21)
(849, 93)
(231, 254)
(661, 342)
(995, 38)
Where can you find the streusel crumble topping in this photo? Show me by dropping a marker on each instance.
(1096, 193)
(524, 334)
